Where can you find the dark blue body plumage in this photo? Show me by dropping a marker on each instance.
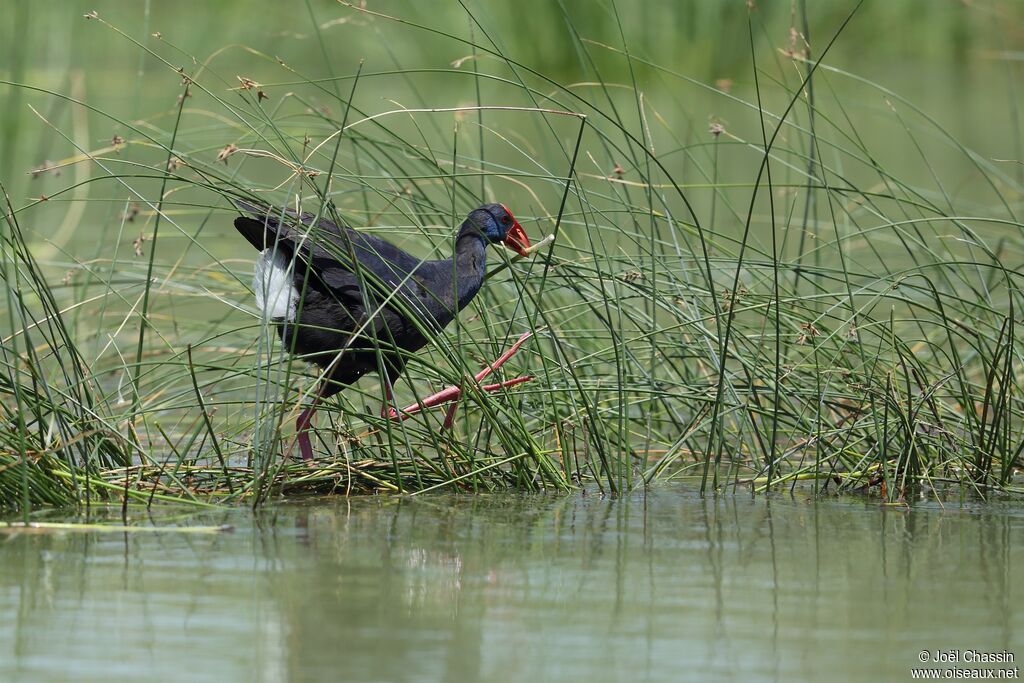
(349, 293)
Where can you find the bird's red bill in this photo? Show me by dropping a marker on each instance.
(515, 238)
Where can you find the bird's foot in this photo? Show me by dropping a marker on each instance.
(453, 393)
(448, 395)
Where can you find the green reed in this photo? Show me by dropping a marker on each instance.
(756, 303)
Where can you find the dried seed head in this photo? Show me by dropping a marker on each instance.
(726, 299)
(137, 244)
(795, 51)
(44, 167)
(809, 332)
(716, 128)
(132, 212)
(227, 152)
(173, 164)
(92, 15)
(618, 170)
(249, 84)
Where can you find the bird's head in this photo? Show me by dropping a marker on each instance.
(498, 225)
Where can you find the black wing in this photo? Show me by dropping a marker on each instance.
(323, 244)
(340, 261)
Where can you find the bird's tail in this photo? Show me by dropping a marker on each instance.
(261, 230)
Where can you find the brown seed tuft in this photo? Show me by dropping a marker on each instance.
(227, 152)
(249, 84)
(809, 332)
(796, 40)
(132, 212)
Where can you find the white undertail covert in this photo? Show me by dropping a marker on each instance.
(276, 296)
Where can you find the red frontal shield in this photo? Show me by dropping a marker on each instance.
(516, 238)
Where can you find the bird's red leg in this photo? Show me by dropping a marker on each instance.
(449, 416)
(387, 410)
(453, 392)
(302, 433)
(302, 425)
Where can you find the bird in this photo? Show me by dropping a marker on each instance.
(353, 303)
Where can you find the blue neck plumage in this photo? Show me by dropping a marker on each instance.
(470, 264)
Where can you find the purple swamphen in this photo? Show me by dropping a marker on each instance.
(354, 303)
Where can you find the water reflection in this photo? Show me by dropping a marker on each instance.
(665, 587)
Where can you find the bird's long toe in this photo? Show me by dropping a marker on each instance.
(453, 393)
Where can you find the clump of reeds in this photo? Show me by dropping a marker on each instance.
(760, 304)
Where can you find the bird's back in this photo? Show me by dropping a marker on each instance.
(349, 290)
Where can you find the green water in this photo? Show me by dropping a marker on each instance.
(668, 587)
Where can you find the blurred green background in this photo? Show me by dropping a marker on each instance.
(959, 61)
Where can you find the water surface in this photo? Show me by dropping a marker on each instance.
(664, 587)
